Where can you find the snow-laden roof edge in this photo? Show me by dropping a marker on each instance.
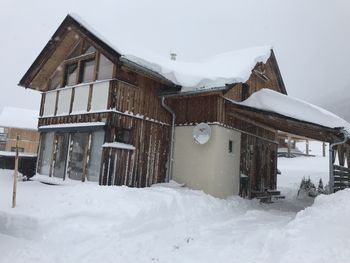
(272, 101)
(214, 72)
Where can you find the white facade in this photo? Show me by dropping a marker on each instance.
(210, 167)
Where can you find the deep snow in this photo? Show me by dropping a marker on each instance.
(169, 223)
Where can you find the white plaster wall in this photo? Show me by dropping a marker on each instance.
(50, 102)
(81, 99)
(63, 104)
(99, 97)
(209, 167)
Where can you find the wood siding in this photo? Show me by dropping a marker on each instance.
(196, 109)
(259, 162)
(256, 83)
(29, 139)
(143, 166)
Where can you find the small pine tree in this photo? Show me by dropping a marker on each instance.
(320, 188)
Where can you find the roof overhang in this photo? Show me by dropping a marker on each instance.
(285, 123)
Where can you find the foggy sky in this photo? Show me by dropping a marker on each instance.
(310, 37)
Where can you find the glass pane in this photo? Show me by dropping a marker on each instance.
(88, 48)
(95, 155)
(77, 158)
(63, 104)
(45, 153)
(55, 80)
(61, 154)
(105, 69)
(71, 74)
(80, 99)
(75, 52)
(87, 70)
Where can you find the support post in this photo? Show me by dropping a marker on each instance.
(289, 146)
(324, 149)
(15, 176)
(331, 168)
(307, 147)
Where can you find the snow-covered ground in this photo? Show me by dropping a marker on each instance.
(169, 223)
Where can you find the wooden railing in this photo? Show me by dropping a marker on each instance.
(341, 177)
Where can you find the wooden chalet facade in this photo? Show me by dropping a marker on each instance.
(109, 120)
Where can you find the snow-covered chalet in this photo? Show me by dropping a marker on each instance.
(116, 117)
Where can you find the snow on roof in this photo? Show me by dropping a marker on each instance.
(19, 118)
(217, 71)
(273, 101)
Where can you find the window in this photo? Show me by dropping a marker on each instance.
(78, 148)
(230, 146)
(80, 67)
(245, 91)
(45, 153)
(97, 140)
(105, 69)
(123, 135)
(61, 148)
(3, 137)
(70, 76)
(20, 149)
(87, 70)
(56, 78)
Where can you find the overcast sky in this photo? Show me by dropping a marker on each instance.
(311, 38)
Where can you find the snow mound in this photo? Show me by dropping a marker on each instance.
(19, 118)
(213, 72)
(164, 223)
(269, 100)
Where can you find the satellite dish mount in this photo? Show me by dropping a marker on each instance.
(201, 133)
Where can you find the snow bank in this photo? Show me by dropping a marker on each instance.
(216, 71)
(166, 223)
(273, 101)
(19, 118)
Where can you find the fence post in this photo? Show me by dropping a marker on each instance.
(15, 176)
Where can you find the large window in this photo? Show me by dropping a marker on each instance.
(77, 155)
(61, 145)
(71, 154)
(97, 140)
(45, 153)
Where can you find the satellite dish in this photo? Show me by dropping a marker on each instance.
(201, 133)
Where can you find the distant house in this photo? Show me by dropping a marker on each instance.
(23, 123)
(120, 118)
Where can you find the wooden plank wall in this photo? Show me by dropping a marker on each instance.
(141, 100)
(196, 109)
(256, 83)
(143, 166)
(259, 162)
(29, 139)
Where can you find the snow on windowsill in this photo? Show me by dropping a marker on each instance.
(72, 125)
(118, 145)
(20, 154)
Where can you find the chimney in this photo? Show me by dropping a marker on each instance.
(173, 56)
